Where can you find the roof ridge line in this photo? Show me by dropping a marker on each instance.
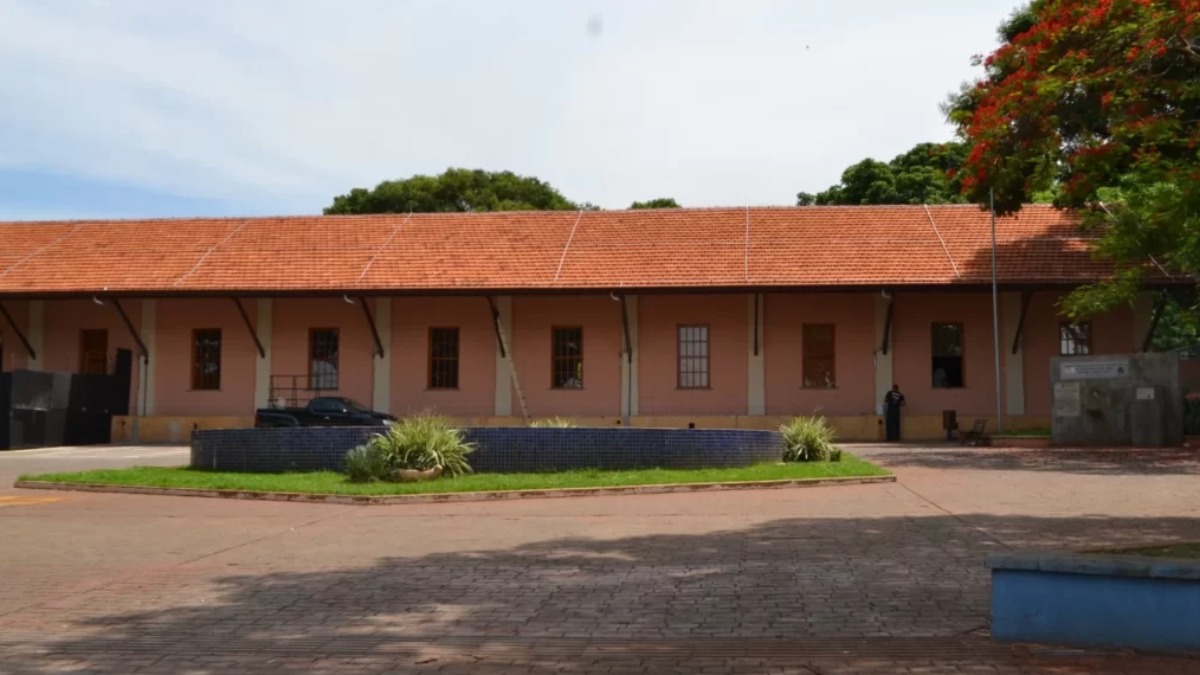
(563, 258)
(944, 247)
(209, 252)
(385, 244)
(34, 254)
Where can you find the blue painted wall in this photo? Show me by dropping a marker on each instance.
(1095, 610)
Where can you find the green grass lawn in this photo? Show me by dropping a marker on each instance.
(329, 482)
(1188, 550)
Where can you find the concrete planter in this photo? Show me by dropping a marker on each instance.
(416, 475)
(1020, 441)
(1096, 600)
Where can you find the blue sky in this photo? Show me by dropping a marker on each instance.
(135, 108)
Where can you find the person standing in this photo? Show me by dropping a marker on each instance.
(892, 401)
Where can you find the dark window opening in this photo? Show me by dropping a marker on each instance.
(693, 357)
(323, 359)
(566, 368)
(206, 359)
(819, 356)
(93, 352)
(443, 358)
(948, 356)
(1075, 339)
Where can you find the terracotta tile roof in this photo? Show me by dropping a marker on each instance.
(727, 247)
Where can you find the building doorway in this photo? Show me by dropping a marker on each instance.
(93, 352)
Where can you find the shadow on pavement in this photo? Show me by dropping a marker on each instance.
(797, 595)
(1086, 461)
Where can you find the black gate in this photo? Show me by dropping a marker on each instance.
(40, 410)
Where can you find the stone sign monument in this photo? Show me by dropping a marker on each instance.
(1132, 399)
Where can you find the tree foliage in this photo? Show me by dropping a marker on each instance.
(919, 176)
(1100, 101)
(660, 203)
(455, 190)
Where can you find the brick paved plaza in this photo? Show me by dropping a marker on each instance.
(873, 578)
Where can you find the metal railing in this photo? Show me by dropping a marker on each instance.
(295, 391)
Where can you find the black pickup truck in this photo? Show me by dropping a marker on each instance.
(322, 412)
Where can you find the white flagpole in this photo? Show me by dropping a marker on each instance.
(996, 316)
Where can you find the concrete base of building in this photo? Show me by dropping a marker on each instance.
(853, 428)
(170, 429)
(1022, 442)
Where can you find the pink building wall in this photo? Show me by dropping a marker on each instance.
(175, 321)
(292, 319)
(64, 319)
(600, 317)
(411, 320)
(1112, 333)
(659, 318)
(12, 353)
(912, 361)
(853, 316)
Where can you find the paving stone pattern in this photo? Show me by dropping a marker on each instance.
(859, 579)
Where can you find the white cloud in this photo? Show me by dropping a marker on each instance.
(289, 103)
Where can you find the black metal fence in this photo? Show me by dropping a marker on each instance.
(295, 391)
(46, 409)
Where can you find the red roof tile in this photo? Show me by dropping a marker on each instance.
(677, 248)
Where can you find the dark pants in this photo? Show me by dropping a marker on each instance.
(893, 423)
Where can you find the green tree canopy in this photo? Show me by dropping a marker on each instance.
(455, 190)
(919, 176)
(1099, 99)
(660, 203)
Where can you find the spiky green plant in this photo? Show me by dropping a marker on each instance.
(420, 442)
(426, 441)
(553, 423)
(807, 439)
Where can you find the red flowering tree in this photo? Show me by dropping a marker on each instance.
(1099, 99)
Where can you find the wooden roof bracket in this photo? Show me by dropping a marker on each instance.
(1026, 298)
(496, 324)
(362, 302)
(250, 327)
(512, 368)
(1161, 304)
(20, 335)
(887, 323)
(128, 325)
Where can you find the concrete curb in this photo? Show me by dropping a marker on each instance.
(383, 500)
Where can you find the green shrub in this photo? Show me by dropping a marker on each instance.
(368, 463)
(420, 442)
(426, 441)
(807, 439)
(553, 423)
